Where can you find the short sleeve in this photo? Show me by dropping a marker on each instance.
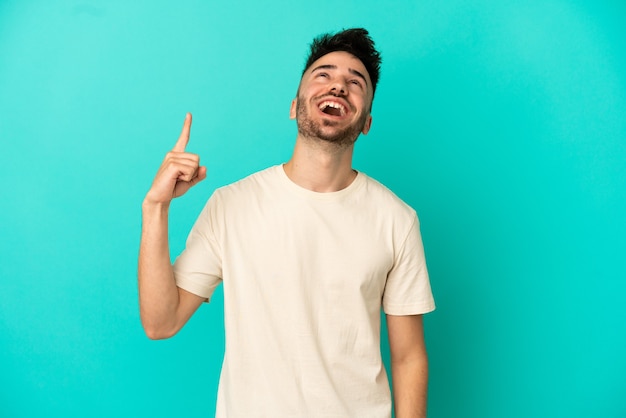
(198, 269)
(407, 289)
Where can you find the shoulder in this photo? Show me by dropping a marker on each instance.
(241, 197)
(249, 186)
(383, 197)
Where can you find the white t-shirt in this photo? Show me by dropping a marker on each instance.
(305, 275)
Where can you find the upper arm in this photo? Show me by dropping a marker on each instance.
(167, 323)
(406, 337)
(188, 303)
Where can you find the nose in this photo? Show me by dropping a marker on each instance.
(338, 88)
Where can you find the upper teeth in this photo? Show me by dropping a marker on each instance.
(335, 105)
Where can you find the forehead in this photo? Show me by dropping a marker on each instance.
(342, 60)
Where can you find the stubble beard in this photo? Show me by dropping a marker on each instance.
(315, 130)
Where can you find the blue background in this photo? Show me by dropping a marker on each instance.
(502, 123)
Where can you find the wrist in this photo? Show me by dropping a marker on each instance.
(150, 207)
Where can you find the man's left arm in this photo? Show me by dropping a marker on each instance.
(409, 365)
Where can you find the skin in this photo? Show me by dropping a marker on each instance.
(164, 307)
(409, 365)
(321, 162)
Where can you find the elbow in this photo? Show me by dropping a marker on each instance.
(157, 331)
(157, 334)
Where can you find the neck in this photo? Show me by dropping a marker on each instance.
(320, 166)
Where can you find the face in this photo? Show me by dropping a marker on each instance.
(334, 99)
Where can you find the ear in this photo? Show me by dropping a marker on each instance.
(292, 110)
(367, 125)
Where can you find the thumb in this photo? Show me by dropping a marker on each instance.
(183, 186)
(201, 175)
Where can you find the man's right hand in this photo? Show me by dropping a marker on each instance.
(179, 171)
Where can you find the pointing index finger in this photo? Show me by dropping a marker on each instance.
(183, 139)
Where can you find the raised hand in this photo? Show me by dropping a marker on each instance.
(179, 171)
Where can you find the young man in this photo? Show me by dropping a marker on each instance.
(307, 252)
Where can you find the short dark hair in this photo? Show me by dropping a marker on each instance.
(355, 41)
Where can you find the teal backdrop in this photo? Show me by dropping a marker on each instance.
(503, 123)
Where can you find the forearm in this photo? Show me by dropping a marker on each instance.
(410, 386)
(158, 293)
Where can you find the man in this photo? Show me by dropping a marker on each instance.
(307, 252)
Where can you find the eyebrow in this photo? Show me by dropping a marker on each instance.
(334, 67)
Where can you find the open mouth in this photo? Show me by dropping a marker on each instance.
(332, 108)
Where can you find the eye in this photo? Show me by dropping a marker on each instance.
(355, 82)
(320, 74)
